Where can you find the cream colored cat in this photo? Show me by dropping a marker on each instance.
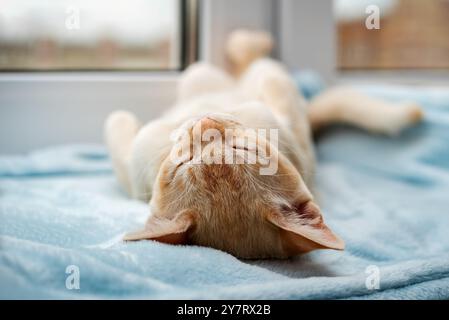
(233, 207)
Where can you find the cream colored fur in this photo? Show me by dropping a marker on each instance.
(232, 207)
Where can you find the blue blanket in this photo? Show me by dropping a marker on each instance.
(62, 216)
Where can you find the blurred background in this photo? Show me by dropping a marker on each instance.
(89, 34)
(147, 34)
(414, 34)
(66, 62)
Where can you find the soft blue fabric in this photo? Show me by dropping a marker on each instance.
(308, 82)
(388, 198)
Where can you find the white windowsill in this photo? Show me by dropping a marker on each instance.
(438, 78)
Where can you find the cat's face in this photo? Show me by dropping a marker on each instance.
(229, 204)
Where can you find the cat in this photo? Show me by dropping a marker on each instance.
(232, 206)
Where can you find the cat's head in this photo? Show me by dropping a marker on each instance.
(212, 190)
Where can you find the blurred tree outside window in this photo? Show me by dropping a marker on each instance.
(90, 34)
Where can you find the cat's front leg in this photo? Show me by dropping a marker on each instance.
(120, 129)
(150, 147)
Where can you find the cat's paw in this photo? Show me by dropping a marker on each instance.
(120, 126)
(414, 113)
(245, 46)
(405, 115)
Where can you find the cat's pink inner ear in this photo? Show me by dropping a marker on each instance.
(170, 231)
(303, 229)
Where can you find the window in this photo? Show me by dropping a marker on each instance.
(92, 35)
(412, 34)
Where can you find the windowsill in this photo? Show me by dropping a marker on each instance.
(406, 77)
(41, 109)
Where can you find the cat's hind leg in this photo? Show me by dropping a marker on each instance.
(120, 129)
(245, 46)
(345, 105)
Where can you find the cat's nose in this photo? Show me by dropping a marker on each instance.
(206, 123)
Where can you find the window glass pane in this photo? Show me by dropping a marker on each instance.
(89, 34)
(411, 34)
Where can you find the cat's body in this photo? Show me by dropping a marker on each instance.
(231, 206)
(227, 97)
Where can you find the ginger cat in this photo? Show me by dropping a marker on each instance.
(232, 206)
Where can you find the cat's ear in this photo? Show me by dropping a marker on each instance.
(171, 231)
(302, 229)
